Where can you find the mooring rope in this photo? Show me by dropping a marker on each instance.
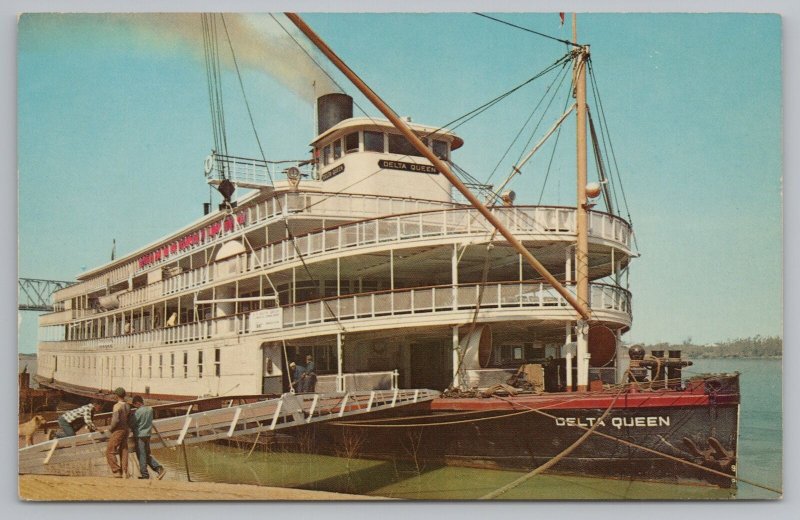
(550, 463)
(589, 432)
(658, 453)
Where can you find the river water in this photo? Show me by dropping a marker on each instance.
(760, 461)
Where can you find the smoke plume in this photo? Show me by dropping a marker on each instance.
(258, 42)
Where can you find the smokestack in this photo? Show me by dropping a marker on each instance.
(332, 109)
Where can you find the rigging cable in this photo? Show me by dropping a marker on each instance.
(214, 76)
(300, 255)
(604, 123)
(479, 110)
(603, 138)
(533, 132)
(324, 71)
(599, 164)
(555, 147)
(514, 170)
(466, 117)
(528, 30)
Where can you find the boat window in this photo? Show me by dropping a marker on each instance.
(326, 155)
(217, 362)
(200, 363)
(172, 364)
(185, 364)
(337, 149)
(400, 145)
(306, 290)
(440, 149)
(351, 142)
(330, 288)
(373, 141)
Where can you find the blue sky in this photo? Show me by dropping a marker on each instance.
(113, 125)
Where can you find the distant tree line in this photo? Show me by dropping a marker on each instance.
(755, 347)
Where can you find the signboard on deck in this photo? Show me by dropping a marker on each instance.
(266, 319)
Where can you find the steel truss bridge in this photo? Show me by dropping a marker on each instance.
(37, 295)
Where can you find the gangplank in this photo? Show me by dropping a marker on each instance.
(287, 411)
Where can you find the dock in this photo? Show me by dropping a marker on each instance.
(287, 411)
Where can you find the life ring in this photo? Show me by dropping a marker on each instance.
(208, 164)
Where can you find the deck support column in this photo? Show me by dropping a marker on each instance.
(456, 359)
(454, 275)
(568, 357)
(339, 363)
(582, 358)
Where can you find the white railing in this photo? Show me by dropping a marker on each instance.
(439, 224)
(238, 169)
(429, 219)
(524, 222)
(378, 304)
(359, 381)
(447, 298)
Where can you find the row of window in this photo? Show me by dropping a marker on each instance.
(171, 364)
(382, 142)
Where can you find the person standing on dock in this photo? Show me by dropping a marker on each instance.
(73, 420)
(141, 424)
(118, 443)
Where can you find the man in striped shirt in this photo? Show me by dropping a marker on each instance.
(73, 420)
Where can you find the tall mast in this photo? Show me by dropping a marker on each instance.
(579, 306)
(581, 214)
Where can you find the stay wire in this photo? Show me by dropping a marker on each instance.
(528, 30)
(604, 122)
(321, 68)
(555, 147)
(603, 137)
(525, 125)
(466, 117)
(209, 78)
(461, 120)
(289, 232)
(324, 71)
(547, 108)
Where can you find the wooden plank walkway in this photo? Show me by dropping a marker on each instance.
(289, 410)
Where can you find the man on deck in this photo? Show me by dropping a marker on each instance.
(308, 381)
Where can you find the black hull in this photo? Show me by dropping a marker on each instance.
(693, 439)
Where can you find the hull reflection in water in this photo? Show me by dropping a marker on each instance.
(231, 464)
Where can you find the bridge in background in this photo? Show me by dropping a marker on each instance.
(37, 295)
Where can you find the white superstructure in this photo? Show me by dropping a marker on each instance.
(364, 261)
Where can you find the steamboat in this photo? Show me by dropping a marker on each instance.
(373, 258)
